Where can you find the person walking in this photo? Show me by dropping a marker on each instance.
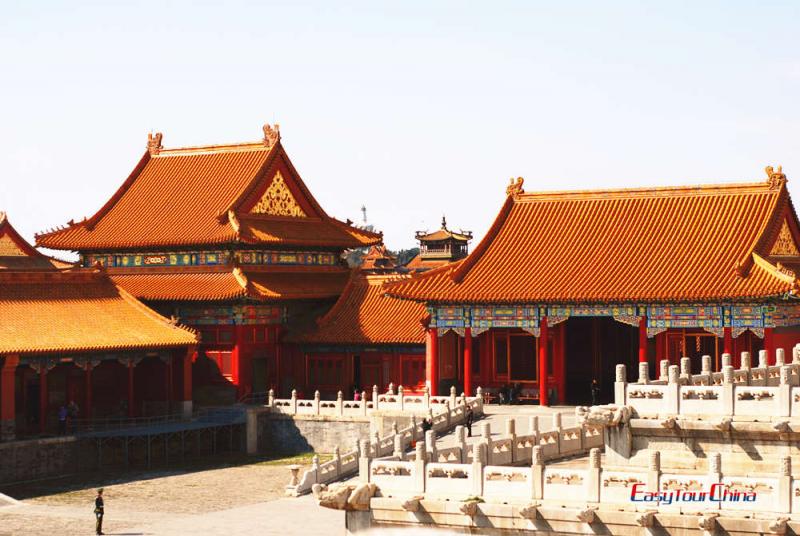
(99, 511)
(468, 420)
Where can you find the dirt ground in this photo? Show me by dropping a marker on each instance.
(65, 507)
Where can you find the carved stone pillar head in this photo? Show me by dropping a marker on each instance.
(537, 458)
(746, 363)
(715, 463)
(673, 374)
(621, 374)
(655, 460)
(594, 458)
(705, 364)
(727, 374)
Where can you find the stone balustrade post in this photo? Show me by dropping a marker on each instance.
(448, 413)
(358, 448)
(654, 471)
(479, 396)
(401, 397)
(762, 359)
(394, 428)
(745, 361)
(673, 390)
(620, 383)
(337, 458)
(398, 447)
(727, 360)
(479, 458)
(461, 441)
(316, 402)
(796, 354)
(705, 365)
(293, 402)
(592, 482)
(391, 388)
(537, 473)
(430, 444)
(780, 357)
(419, 467)
(364, 404)
(686, 370)
(315, 468)
(715, 468)
(785, 392)
(785, 485)
(271, 398)
(644, 373)
(452, 396)
(727, 390)
(414, 428)
(511, 432)
(426, 397)
(533, 424)
(375, 397)
(340, 403)
(663, 370)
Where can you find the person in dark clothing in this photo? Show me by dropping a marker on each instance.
(595, 392)
(502, 394)
(62, 420)
(99, 511)
(468, 420)
(427, 424)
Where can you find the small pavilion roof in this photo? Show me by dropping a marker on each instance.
(363, 314)
(247, 192)
(17, 254)
(443, 234)
(675, 244)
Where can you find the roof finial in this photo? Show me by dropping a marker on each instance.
(514, 188)
(154, 143)
(775, 179)
(272, 135)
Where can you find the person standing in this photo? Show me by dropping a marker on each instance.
(99, 511)
(595, 392)
(468, 420)
(62, 420)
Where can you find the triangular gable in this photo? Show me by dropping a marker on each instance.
(785, 244)
(278, 191)
(278, 200)
(12, 244)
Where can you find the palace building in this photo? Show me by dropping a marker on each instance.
(565, 285)
(70, 334)
(229, 240)
(438, 248)
(366, 338)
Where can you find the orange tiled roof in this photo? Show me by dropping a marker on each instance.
(200, 195)
(418, 264)
(76, 311)
(378, 259)
(225, 283)
(659, 244)
(364, 315)
(17, 254)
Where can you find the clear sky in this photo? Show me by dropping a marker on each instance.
(414, 109)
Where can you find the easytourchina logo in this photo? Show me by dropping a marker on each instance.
(716, 493)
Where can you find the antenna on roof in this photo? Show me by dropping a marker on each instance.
(364, 213)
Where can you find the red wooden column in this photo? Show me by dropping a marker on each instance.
(88, 402)
(643, 339)
(561, 376)
(543, 372)
(8, 413)
(43, 398)
(186, 383)
(131, 399)
(769, 345)
(432, 361)
(727, 344)
(468, 361)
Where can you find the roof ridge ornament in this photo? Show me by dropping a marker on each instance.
(514, 188)
(154, 143)
(775, 178)
(272, 134)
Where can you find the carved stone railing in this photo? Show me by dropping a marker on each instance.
(587, 486)
(772, 391)
(418, 404)
(391, 447)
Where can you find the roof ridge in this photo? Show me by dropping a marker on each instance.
(213, 148)
(698, 189)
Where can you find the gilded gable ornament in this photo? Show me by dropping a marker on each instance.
(785, 246)
(278, 200)
(9, 248)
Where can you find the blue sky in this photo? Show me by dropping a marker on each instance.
(414, 109)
